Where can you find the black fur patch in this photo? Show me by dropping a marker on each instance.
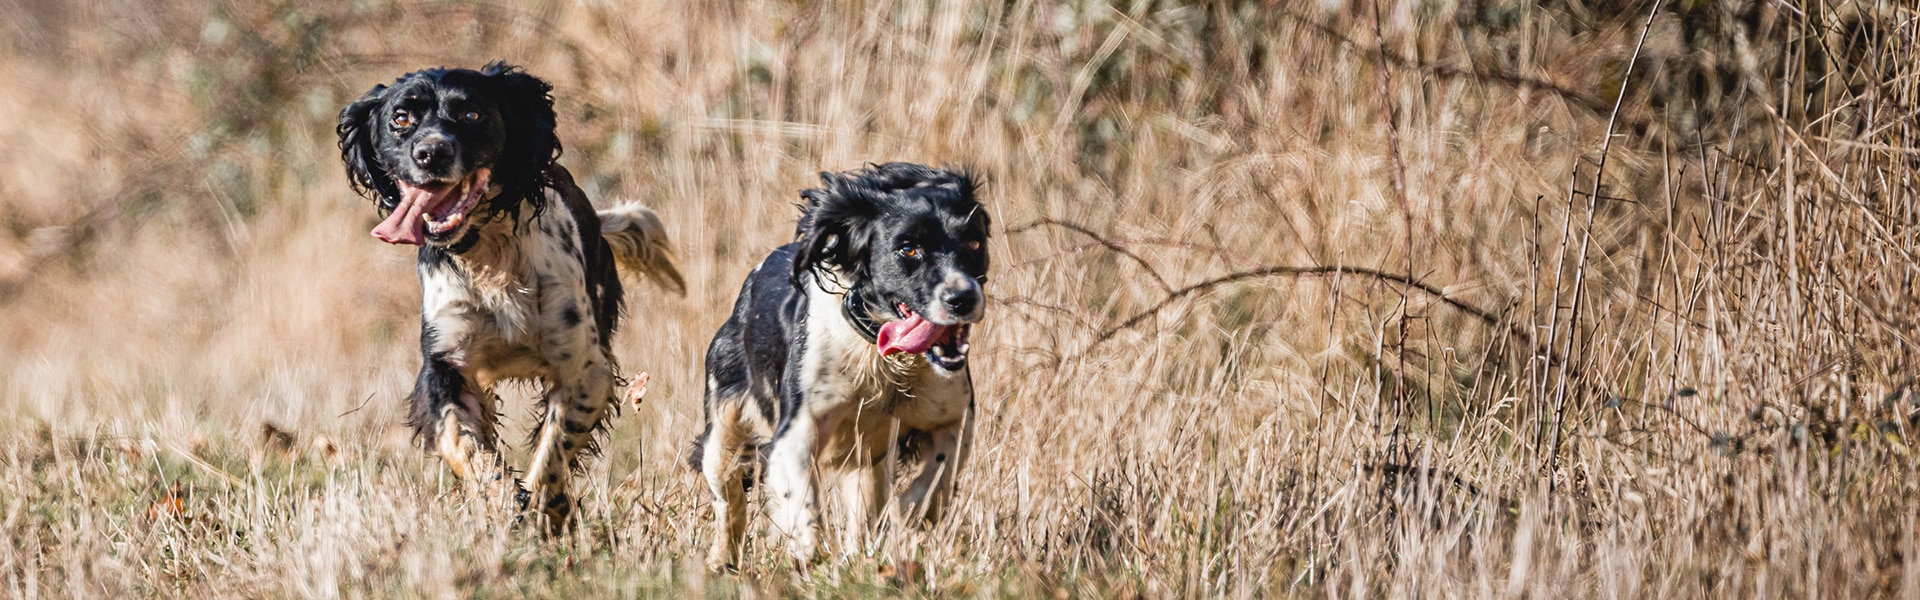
(439, 385)
(889, 233)
(502, 119)
(498, 117)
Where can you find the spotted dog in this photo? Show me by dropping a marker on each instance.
(846, 357)
(516, 267)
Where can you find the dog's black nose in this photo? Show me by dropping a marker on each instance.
(960, 301)
(432, 153)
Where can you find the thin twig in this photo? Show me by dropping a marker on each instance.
(208, 467)
(363, 404)
(1110, 244)
(1406, 216)
(1484, 315)
(1224, 255)
(1586, 239)
(1282, 270)
(1445, 72)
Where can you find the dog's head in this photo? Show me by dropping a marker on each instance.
(441, 149)
(911, 242)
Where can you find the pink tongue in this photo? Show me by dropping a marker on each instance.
(912, 335)
(405, 226)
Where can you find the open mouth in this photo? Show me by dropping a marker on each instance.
(944, 345)
(434, 211)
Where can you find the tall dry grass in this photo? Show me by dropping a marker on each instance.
(1293, 298)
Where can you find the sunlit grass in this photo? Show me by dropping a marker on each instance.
(1206, 370)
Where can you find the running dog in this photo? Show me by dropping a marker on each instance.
(846, 356)
(516, 267)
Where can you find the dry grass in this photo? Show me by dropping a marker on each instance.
(1695, 382)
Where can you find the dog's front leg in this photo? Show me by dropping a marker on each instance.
(862, 490)
(720, 464)
(575, 406)
(926, 498)
(454, 417)
(790, 481)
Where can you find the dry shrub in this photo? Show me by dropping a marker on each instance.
(1287, 298)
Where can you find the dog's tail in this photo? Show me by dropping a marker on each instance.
(640, 244)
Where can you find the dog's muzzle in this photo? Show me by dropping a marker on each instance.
(957, 300)
(942, 333)
(432, 211)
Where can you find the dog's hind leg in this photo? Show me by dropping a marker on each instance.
(720, 464)
(575, 407)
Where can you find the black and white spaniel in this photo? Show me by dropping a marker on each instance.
(516, 267)
(847, 350)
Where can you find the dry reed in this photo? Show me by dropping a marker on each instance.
(1295, 298)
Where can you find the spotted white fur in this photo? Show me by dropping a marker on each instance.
(888, 259)
(516, 307)
(858, 403)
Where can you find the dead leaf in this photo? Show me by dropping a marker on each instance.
(326, 451)
(637, 389)
(274, 438)
(905, 573)
(171, 505)
(132, 450)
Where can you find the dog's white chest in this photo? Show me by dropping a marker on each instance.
(840, 363)
(490, 303)
(485, 307)
(935, 398)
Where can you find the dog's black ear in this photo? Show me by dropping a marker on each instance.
(356, 151)
(967, 182)
(526, 108)
(836, 228)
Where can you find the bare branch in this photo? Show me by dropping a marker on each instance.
(1110, 244)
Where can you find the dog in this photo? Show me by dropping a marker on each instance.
(846, 356)
(516, 267)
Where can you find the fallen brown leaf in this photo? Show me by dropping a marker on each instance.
(637, 389)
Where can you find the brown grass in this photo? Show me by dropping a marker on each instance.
(1212, 368)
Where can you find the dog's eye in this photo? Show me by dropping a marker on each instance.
(402, 119)
(472, 116)
(972, 245)
(909, 251)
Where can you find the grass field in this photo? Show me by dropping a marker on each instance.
(1458, 298)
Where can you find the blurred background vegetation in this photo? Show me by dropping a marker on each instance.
(1287, 295)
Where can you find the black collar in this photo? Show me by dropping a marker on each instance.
(472, 236)
(466, 241)
(854, 305)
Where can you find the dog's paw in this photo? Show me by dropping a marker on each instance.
(803, 547)
(719, 564)
(522, 497)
